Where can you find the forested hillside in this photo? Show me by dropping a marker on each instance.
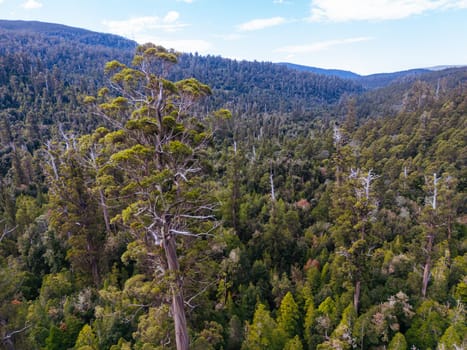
(156, 200)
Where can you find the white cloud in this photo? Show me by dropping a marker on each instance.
(362, 10)
(141, 29)
(320, 45)
(171, 17)
(187, 1)
(31, 4)
(260, 23)
(134, 27)
(229, 37)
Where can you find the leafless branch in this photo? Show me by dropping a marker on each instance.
(6, 232)
(188, 302)
(183, 233)
(199, 217)
(9, 335)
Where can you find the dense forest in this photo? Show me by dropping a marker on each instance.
(156, 200)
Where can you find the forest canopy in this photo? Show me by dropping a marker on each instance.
(156, 200)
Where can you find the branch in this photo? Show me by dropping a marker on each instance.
(183, 233)
(6, 231)
(9, 335)
(188, 302)
(111, 121)
(200, 217)
(48, 150)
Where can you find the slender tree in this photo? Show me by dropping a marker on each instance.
(159, 150)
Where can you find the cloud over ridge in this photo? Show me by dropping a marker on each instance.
(260, 23)
(320, 45)
(377, 10)
(31, 4)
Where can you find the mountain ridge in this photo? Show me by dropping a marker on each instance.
(86, 36)
(83, 54)
(91, 37)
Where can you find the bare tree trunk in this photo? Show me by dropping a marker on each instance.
(6, 338)
(105, 211)
(426, 269)
(178, 310)
(426, 275)
(271, 180)
(52, 160)
(356, 295)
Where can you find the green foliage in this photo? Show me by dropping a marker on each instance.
(27, 209)
(55, 286)
(398, 342)
(86, 340)
(452, 339)
(210, 337)
(340, 264)
(427, 326)
(64, 336)
(309, 326)
(288, 317)
(154, 328)
(223, 113)
(235, 333)
(294, 344)
(343, 331)
(133, 154)
(263, 332)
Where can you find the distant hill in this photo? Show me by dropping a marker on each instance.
(54, 62)
(398, 94)
(82, 36)
(344, 74)
(254, 87)
(74, 54)
(371, 81)
(436, 68)
(78, 56)
(374, 81)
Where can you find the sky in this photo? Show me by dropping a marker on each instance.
(363, 36)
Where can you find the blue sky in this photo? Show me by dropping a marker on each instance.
(364, 36)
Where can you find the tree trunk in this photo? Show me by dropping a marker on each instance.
(426, 269)
(338, 175)
(356, 295)
(178, 310)
(94, 261)
(426, 275)
(235, 197)
(105, 212)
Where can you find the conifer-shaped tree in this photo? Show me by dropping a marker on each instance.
(289, 316)
(263, 332)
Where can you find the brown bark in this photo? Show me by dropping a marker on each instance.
(105, 212)
(426, 269)
(178, 310)
(356, 295)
